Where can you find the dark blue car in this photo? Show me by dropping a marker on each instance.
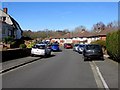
(55, 47)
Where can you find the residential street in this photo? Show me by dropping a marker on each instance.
(65, 69)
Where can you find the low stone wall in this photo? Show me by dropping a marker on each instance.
(14, 54)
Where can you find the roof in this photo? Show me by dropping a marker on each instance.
(68, 35)
(106, 31)
(80, 34)
(13, 21)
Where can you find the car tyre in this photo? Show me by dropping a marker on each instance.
(32, 55)
(102, 58)
(85, 58)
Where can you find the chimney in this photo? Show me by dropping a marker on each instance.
(5, 10)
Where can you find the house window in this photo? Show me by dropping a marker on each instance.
(3, 30)
(4, 18)
(9, 32)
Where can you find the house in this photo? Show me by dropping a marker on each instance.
(8, 26)
(83, 37)
(102, 34)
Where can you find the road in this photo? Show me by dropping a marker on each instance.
(65, 69)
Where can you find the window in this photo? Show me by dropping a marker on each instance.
(3, 30)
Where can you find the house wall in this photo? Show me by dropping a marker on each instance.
(6, 30)
(103, 38)
(18, 32)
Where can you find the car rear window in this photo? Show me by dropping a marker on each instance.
(39, 46)
(69, 44)
(91, 47)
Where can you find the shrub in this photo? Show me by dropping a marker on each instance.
(22, 46)
(113, 45)
(13, 44)
(30, 45)
(8, 39)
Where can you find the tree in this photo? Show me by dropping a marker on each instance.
(79, 29)
(98, 27)
(113, 24)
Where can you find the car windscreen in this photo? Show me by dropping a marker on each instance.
(81, 45)
(39, 46)
(55, 45)
(76, 45)
(92, 47)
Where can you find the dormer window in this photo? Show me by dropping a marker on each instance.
(4, 18)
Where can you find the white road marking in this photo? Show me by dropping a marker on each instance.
(100, 81)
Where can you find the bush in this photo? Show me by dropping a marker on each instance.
(113, 45)
(8, 39)
(13, 44)
(30, 45)
(22, 46)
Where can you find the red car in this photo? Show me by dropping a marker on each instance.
(68, 46)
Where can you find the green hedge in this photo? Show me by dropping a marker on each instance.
(113, 45)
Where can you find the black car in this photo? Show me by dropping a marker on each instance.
(92, 51)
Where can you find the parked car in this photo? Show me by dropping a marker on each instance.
(68, 46)
(81, 48)
(55, 47)
(40, 49)
(92, 51)
(75, 47)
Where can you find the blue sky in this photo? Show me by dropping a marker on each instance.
(61, 15)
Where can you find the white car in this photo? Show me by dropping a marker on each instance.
(41, 49)
(75, 48)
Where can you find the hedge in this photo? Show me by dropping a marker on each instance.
(14, 54)
(113, 45)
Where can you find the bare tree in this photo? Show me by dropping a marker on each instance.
(98, 27)
(79, 29)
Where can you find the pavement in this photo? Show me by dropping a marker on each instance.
(8, 65)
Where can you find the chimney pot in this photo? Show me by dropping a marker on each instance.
(5, 10)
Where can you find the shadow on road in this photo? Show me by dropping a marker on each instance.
(58, 51)
(48, 56)
(94, 59)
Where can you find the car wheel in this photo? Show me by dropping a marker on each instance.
(102, 58)
(50, 54)
(32, 55)
(85, 58)
(45, 55)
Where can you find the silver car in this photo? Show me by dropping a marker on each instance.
(75, 47)
(81, 48)
(41, 49)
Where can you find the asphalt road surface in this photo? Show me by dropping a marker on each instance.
(65, 69)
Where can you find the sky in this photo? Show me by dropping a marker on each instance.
(61, 15)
